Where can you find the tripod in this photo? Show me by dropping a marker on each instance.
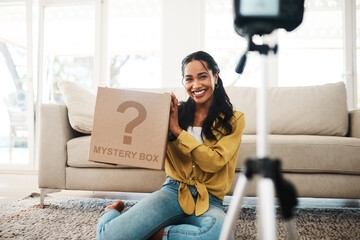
(268, 169)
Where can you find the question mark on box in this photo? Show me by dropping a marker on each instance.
(135, 122)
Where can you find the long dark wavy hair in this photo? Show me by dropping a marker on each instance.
(221, 110)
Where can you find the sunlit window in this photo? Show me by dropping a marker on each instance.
(225, 45)
(69, 42)
(312, 54)
(13, 90)
(135, 43)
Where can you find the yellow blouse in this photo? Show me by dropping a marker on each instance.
(209, 166)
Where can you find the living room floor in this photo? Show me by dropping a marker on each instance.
(18, 186)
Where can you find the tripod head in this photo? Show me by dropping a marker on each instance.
(263, 49)
(261, 17)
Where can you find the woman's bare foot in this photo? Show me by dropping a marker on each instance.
(118, 205)
(158, 235)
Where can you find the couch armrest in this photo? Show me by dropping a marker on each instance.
(55, 132)
(354, 118)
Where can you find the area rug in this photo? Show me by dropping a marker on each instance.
(76, 218)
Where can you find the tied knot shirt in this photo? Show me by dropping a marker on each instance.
(209, 165)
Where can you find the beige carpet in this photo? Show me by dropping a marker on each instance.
(76, 218)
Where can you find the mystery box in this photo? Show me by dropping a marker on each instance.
(130, 128)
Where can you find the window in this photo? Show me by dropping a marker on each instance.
(312, 54)
(14, 87)
(135, 43)
(226, 46)
(69, 42)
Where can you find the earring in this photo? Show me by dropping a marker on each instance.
(216, 86)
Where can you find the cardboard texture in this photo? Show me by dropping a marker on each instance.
(130, 128)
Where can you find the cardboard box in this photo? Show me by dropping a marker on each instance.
(130, 128)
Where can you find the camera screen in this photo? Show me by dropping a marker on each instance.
(259, 8)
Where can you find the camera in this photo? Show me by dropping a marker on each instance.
(259, 17)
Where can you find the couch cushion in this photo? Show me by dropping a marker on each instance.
(126, 180)
(78, 154)
(311, 110)
(80, 103)
(308, 154)
(300, 154)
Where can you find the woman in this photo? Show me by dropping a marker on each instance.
(205, 135)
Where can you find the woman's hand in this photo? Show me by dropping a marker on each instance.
(174, 127)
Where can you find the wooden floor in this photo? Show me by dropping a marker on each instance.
(18, 186)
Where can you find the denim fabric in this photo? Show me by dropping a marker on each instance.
(162, 210)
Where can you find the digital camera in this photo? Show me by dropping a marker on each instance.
(259, 17)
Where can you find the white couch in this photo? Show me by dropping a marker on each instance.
(312, 132)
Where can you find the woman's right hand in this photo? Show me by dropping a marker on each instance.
(174, 117)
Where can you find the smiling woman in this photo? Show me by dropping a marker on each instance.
(199, 164)
(200, 82)
(204, 86)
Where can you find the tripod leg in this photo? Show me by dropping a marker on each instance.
(235, 204)
(291, 228)
(266, 209)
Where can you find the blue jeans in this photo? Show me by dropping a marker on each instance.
(162, 210)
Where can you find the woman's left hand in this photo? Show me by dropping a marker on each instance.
(174, 118)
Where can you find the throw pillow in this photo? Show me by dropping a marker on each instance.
(80, 103)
